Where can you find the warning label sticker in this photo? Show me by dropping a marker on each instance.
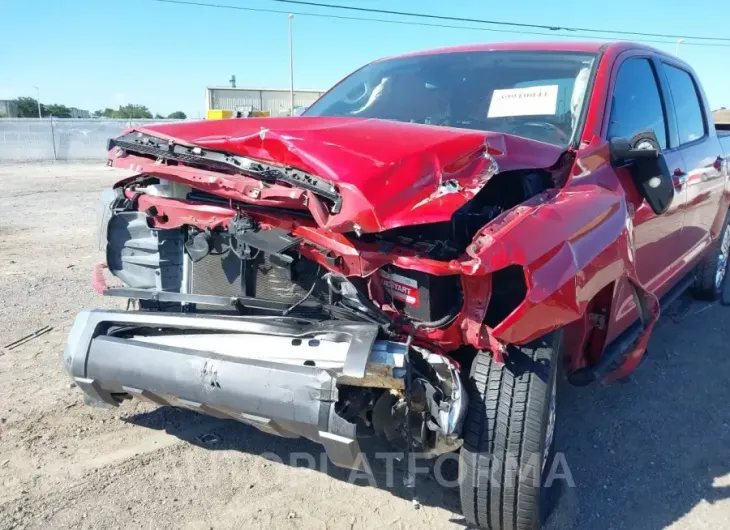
(532, 101)
(400, 287)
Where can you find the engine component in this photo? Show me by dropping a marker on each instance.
(283, 282)
(436, 409)
(388, 415)
(422, 297)
(448, 240)
(244, 231)
(197, 245)
(285, 277)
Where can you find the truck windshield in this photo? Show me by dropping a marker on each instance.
(534, 94)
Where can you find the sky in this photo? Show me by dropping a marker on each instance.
(93, 54)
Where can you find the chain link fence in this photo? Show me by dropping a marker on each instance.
(50, 139)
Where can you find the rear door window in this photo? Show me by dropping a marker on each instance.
(687, 105)
(636, 104)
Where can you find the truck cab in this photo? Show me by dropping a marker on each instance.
(648, 90)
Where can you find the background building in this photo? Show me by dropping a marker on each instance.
(275, 102)
(8, 108)
(79, 113)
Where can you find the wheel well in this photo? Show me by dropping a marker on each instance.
(508, 291)
(585, 339)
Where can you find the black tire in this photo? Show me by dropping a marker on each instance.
(705, 286)
(506, 421)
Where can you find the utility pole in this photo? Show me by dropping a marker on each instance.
(291, 64)
(38, 100)
(680, 41)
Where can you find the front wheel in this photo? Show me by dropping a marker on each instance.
(508, 435)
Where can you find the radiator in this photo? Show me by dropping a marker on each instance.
(226, 275)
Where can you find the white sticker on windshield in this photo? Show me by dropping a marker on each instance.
(531, 101)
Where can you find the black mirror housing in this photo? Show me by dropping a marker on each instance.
(641, 146)
(648, 168)
(654, 181)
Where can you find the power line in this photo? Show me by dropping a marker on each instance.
(495, 22)
(413, 23)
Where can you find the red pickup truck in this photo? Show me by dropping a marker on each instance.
(418, 256)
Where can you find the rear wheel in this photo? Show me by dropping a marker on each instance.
(508, 436)
(712, 270)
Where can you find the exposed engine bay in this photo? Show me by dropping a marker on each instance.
(254, 265)
(261, 266)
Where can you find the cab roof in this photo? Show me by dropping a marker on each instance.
(556, 46)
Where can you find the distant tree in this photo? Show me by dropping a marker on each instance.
(57, 111)
(132, 111)
(159, 116)
(106, 113)
(28, 108)
(177, 115)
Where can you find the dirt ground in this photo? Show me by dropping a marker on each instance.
(653, 452)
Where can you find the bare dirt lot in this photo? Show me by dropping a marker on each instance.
(649, 453)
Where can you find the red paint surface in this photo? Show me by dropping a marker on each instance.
(97, 278)
(387, 172)
(592, 236)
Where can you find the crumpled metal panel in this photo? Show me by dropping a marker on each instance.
(572, 242)
(389, 174)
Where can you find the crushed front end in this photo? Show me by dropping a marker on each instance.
(265, 294)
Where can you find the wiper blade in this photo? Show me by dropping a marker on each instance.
(146, 145)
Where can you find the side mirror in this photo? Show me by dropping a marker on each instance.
(643, 157)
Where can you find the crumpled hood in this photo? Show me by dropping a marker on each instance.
(389, 173)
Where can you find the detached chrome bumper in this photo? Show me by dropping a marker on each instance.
(277, 374)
